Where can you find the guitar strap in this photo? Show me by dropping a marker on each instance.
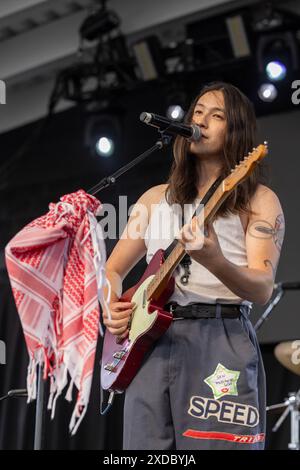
(186, 260)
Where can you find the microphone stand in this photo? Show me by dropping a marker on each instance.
(39, 411)
(270, 307)
(163, 141)
(40, 403)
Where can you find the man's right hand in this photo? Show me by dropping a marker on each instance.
(121, 313)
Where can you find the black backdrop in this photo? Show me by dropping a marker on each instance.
(58, 163)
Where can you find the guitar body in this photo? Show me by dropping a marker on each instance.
(121, 361)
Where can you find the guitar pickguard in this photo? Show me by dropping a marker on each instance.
(141, 320)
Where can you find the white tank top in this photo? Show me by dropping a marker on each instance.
(202, 285)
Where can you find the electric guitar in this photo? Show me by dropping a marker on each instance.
(121, 360)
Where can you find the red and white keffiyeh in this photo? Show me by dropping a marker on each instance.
(56, 269)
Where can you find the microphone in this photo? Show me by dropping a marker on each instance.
(287, 285)
(192, 132)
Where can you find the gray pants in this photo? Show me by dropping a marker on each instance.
(201, 386)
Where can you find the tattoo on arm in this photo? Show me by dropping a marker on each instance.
(263, 229)
(267, 262)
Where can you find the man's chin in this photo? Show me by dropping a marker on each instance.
(201, 150)
(197, 149)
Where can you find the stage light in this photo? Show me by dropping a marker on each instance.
(277, 55)
(276, 70)
(238, 36)
(175, 112)
(149, 58)
(103, 134)
(99, 23)
(266, 18)
(267, 92)
(105, 147)
(176, 102)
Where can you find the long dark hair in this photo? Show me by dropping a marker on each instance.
(239, 140)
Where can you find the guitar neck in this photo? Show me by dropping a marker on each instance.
(162, 277)
(238, 174)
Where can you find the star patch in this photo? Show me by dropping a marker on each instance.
(223, 381)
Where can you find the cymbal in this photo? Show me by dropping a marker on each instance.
(288, 354)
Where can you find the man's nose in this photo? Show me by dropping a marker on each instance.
(204, 124)
(201, 121)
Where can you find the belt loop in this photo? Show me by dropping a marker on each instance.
(218, 310)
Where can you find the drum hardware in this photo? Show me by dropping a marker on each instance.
(292, 406)
(286, 353)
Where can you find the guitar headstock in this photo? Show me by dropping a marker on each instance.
(246, 166)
